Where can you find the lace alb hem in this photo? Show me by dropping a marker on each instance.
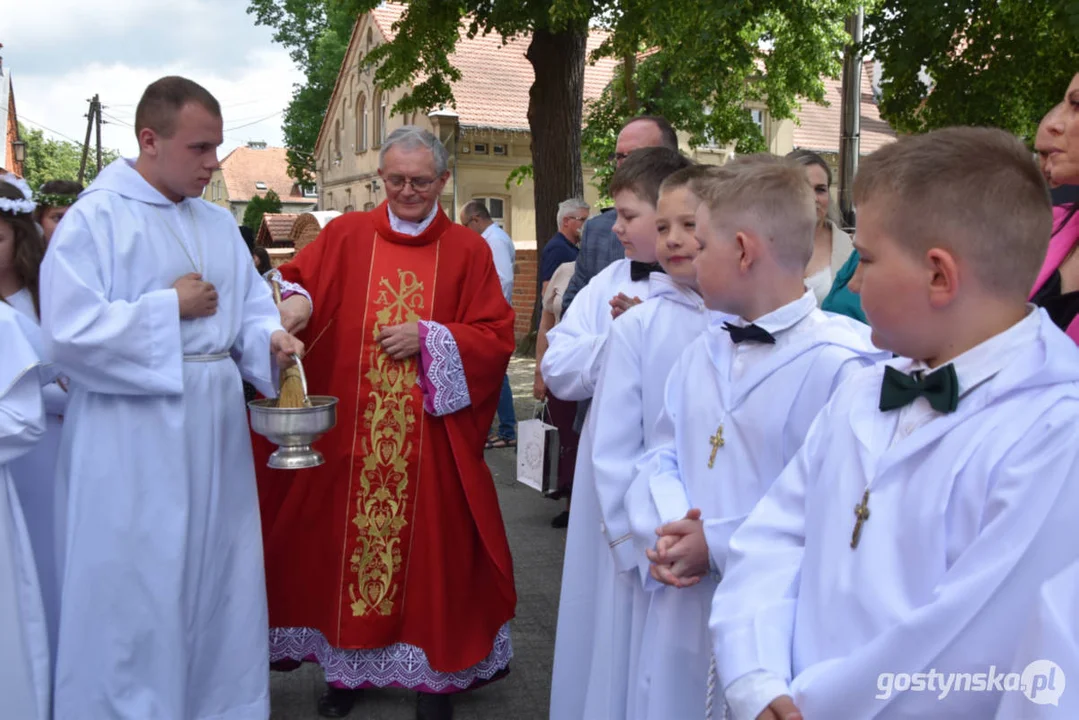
(445, 389)
(397, 665)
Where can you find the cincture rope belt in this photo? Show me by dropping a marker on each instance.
(211, 357)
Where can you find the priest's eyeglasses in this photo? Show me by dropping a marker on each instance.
(398, 182)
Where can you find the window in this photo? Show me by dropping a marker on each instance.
(480, 148)
(329, 201)
(499, 150)
(497, 208)
(337, 141)
(310, 191)
(361, 123)
(382, 116)
(376, 108)
(757, 116)
(259, 185)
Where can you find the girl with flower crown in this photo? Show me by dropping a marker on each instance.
(24, 651)
(43, 496)
(53, 199)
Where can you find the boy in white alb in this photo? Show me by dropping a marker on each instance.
(936, 492)
(596, 610)
(642, 347)
(736, 407)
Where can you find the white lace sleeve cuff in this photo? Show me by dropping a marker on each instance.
(445, 389)
(288, 289)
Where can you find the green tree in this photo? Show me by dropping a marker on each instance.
(316, 32)
(968, 62)
(49, 159)
(707, 63)
(259, 206)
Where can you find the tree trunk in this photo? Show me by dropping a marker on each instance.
(629, 75)
(555, 114)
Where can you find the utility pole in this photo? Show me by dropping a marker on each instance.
(92, 117)
(851, 123)
(98, 135)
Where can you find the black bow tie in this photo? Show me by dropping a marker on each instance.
(641, 271)
(940, 388)
(752, 333)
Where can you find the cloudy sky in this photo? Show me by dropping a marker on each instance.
(61, 52)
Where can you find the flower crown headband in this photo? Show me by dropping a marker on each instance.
(55, 199)
(17, 207)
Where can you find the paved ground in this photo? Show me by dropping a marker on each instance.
(537, 554)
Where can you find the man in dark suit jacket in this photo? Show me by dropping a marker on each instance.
(599, 246)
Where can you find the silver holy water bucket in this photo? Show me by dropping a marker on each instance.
(293, 430)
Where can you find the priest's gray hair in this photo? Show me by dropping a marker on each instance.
(410, 137)
(568, 207)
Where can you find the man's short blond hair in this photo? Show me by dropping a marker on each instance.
(768, 196)
(975, 192)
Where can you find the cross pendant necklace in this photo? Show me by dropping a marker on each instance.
(717, 442)
(861, 513)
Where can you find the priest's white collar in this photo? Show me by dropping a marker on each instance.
(786, 316)
(406, 227)
(982, 362)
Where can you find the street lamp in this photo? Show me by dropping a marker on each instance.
(20, 150)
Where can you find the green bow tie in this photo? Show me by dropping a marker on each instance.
(940, 388)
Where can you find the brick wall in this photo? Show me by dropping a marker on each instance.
(524, 290)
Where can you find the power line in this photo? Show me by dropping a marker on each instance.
(254, 122)
(49, 129)
(117, 120)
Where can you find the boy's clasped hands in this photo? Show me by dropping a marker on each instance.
(622, 302)
(680, 558)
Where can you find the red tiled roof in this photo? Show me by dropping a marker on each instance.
(820, 125)
(245, 166)
(276, 228)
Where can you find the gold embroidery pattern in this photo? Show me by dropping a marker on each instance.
(390, 417)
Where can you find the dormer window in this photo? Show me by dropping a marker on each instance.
(259, 185)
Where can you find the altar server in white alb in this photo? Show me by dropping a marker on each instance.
(935, 493)
(643, 345)
(737, 406)
(24, 650)
(151, 305)
(592, 644)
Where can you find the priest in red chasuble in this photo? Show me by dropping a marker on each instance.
(388, 565)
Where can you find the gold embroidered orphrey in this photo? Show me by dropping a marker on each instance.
(861, 513)
(717, 442)
(390, 418)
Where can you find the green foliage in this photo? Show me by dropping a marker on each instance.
(316, 33)
(48, 159)
(519, 174)
(259, 206)
(710, 62)
(1002, 63)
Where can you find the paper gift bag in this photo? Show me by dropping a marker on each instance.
(537, 455)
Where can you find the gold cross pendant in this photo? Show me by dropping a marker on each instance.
(717, 442)
(861, 513)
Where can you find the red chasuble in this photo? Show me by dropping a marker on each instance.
(398, 537)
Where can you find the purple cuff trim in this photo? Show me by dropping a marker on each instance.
(397, 665)
(288, 289)
(445, 389)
